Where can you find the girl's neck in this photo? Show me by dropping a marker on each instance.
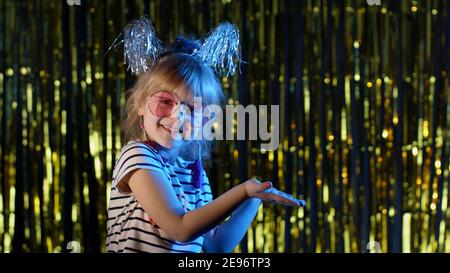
(168, 154)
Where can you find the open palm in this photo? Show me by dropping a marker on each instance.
(267, 193)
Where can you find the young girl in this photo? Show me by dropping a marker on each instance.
(161, 202)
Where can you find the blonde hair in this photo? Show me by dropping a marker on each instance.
(173, 72)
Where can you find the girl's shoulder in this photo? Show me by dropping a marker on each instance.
(138, 145)
(136, 155)
(139, 151)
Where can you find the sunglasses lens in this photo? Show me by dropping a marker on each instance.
(162, 103)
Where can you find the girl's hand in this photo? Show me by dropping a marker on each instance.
(267, 193)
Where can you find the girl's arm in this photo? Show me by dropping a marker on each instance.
(230, 233)
(156, 195)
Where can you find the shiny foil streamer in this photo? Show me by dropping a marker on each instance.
(220, 50)
(141, 46)
(364, 124)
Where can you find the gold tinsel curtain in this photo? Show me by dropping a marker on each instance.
(364, 126)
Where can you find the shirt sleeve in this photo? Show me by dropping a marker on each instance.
(206, 188)
(136, 156)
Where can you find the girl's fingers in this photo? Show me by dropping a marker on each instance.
(272, 195)
(283, 200)
(283, 195)
(286, 199)
(293, 200)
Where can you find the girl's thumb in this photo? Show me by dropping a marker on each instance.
(266, 185)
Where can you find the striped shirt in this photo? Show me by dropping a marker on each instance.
(129, 227)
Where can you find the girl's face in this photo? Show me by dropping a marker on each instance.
(167, 117)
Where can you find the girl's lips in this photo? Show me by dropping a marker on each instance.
(168, 129)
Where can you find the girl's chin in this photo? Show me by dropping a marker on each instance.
(166, 131)
(168, 139)
(169, 143)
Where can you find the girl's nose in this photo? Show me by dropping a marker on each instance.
(177, 118)
(179, 113)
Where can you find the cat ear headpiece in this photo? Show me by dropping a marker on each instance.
(142, 49)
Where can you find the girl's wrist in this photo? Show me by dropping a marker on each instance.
(245, 186)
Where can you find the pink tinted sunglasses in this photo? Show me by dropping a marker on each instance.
(163, 103)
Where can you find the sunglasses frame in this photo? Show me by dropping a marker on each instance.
(177, 102)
